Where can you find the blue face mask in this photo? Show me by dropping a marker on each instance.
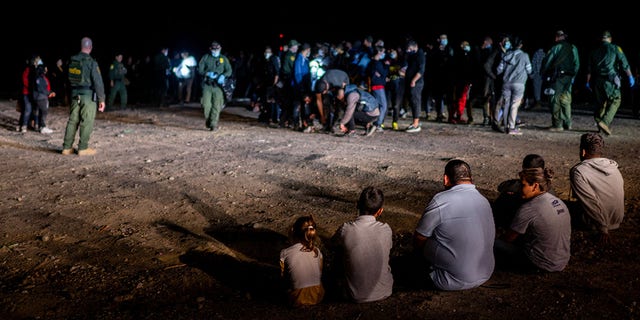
(466, 48)
(215, 53)
(393, 55)
(507, 45)
(444, 42)
(382, 55)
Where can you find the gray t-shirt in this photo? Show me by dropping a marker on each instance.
(546, 225)
(460, 229)
(367, 246)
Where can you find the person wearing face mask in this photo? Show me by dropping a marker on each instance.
(515, 69)
(395, 85)
(414, 77)
(491, 67)
(378, 72)
(214, 68)
(269, 90)
(464, 72)
(441, 67)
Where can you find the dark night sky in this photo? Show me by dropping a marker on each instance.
(56, 32)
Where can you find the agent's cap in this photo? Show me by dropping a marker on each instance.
(215, 45)
(293, 43)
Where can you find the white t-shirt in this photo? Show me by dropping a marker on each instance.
(304, 268)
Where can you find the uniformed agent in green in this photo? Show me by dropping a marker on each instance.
(86, 81)
(214, 68)
(117, 73)
(563, 62)
(606, 63)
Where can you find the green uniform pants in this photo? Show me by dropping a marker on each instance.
(121, 89)
(81, 117)
(608, 98)
(212, 102)
(561, 103)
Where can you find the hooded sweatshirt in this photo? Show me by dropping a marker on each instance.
(599, 188)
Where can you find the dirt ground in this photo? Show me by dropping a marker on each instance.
(170, 221)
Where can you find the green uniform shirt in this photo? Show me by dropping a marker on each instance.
(85, 77)
(219, 65)
(608, 59)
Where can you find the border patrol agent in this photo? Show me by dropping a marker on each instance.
(117, 73)
(215, 68)
(86, 81)
(563, 61)
(606, 63)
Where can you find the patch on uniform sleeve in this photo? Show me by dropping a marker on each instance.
(619, 49)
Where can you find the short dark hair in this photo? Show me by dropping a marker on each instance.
(457, 170)
(592, 143)
(533, 161)
(370, 201)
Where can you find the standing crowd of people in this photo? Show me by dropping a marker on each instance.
(449, 80)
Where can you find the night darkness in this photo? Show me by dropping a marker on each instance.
(55, 33)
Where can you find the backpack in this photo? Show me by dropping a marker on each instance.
(228, 87)
(367, 101)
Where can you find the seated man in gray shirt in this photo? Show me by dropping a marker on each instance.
(456, 232)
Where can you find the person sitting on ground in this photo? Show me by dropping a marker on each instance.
(364, 246)
(539, 237)
(301, 264)
(510, 198)
(598, 186)
(456, 232)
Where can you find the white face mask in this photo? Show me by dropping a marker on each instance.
(267, 55)
(215, 53)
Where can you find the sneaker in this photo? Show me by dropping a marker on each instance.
(87, 152)
(308, 130)
(394, 126)
(380, 129)
(66, 152)
(514, 132)
(23, 129)
(371, 129)
(603, 126)
(412, 129)
(46, 130)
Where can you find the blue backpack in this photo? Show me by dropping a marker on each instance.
(367, 101)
